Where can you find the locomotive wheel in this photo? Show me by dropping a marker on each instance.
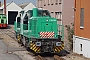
(63, 53)
(24, 41)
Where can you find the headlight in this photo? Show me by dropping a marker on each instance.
(38, 43)
(58, 43)
(46, 20)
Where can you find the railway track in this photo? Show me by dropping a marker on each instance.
(8, 32)
(55, 57)
(58, 58)
(11, 34)
(40, 57)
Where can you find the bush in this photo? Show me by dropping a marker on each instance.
(70, 32)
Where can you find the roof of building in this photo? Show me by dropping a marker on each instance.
(2, 6)
(23, 5)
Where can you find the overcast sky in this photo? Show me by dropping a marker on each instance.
(20, 1)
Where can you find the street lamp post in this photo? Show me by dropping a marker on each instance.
(5, 7)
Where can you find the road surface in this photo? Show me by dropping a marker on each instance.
(4, 55)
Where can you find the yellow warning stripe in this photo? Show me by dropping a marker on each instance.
(59, 48)
(18, 37)
(34, 47)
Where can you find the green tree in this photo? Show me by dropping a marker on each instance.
(70, 32)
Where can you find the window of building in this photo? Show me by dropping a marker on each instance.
(51, 2)
(55, 14)
(52, 14)
(40, 3)
(56, 2)
(60, 1)
(48, 2)
(44, 2)
(58, 15)
(80, 47)
(82, 18)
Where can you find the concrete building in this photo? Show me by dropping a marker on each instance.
(1, 9)
(12, 10)
(27, 6)
(67, 17)
(60, 9)
(81, 39)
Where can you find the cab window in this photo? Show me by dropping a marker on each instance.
(43, 13)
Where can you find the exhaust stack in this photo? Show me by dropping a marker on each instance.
(35, 10)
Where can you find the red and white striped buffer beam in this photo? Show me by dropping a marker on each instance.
(47, 34)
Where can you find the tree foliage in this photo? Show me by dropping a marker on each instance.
(70, 32)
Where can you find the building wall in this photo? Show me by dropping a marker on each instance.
(30, 6)
(82, 32)
(68, 14)
(12, 7)
(1, 11)
(84, 49)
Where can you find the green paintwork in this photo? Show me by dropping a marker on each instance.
(35, 12)
(44, 24)
(17, 26)
(4, 18)
(39, 23)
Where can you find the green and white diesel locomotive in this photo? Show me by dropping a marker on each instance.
(39, 31)
(3, 21)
